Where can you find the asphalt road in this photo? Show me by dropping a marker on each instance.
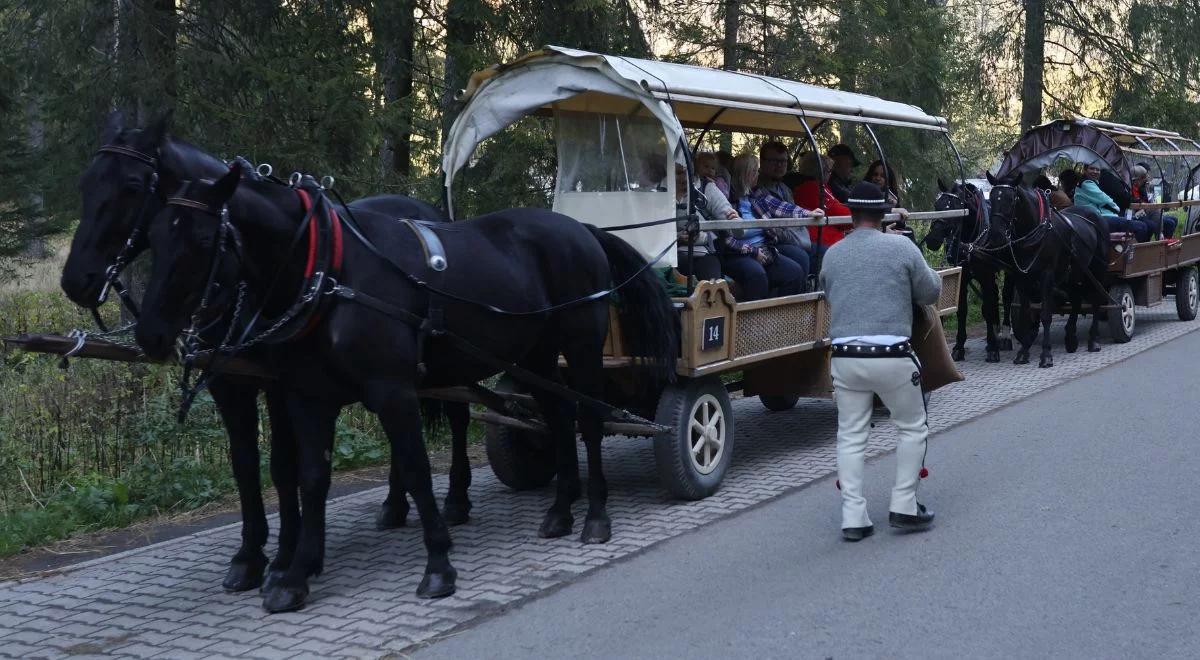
(1067, 528)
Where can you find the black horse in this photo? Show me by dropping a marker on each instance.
(123, 188)
(961, 237)
(538, 272)
(1051, 252)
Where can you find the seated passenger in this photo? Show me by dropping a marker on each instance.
(1089, 196)
(772, 198)
(809, 193)
(842, 179)
(1157, 222)
(707, 169)
(882, 175)
(753, 257)
(704, 264)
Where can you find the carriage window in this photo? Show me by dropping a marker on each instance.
(616, 170)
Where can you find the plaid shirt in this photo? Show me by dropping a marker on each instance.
(768, 203)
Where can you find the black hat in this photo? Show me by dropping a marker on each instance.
(866, 196)
(843, 150)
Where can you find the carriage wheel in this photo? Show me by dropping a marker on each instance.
(519, 460)
(778, 402)
(1121, 321)
(1187, 293)
(694, 455)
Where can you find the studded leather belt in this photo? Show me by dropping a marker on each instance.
(901, 350)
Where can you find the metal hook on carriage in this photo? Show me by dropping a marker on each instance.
(264, 170)
(295, 179)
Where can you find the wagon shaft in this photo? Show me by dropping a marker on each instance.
(102, 350)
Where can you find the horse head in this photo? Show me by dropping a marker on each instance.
(192, 240)
(125, 185)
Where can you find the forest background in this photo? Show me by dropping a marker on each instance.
(365, 91)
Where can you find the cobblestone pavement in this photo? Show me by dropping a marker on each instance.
(165, 600)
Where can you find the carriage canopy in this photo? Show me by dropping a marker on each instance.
(620, 122)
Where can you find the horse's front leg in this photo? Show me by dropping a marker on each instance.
(1021, 329)
(237, 404)
(313, 420)
(399, 411)
(458, 500)
(285, 473)
(1099, 298)
(1006, 326)
(1048, 305)
(960, 339)
(991, 315)
(1071, 340)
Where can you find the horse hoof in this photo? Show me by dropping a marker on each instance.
(285, 599)
(437, 585)
(456, 513)
(1046, 363)
(597, 530)
(1021, 359)
(1072, 346)
(992, 356)
(1093, 348)
(391, 517)
(244, 576)
(556, 525)
(271, 581)
(959, 354)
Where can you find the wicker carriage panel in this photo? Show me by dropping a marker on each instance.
(949, 296)
(779, 326)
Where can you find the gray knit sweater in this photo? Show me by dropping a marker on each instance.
(872, 280)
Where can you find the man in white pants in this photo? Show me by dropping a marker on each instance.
(872, 279)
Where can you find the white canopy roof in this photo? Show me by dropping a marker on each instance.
(565, 79)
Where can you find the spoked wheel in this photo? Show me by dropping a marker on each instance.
(778, 402)
(520, 459)
(693, 457)
(1187, 293)
(1121, 321)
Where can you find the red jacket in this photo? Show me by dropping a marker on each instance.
(806, 196)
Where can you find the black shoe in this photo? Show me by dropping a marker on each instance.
(856, 534)
(912, 522)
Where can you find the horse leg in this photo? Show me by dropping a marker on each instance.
(284, 474)
(991, 315)
(400, 412)
(1071, 340)
(1006, 326)
(1022, 330)
(559, 416)
(458, 501)
(313, 421)
(1048, 304)
(1099, 299)
(393, 513)
(238, 405)
(586, 330)
(960, 340)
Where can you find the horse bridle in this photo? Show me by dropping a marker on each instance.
(112, 274)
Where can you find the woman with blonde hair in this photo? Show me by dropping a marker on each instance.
(751, 256)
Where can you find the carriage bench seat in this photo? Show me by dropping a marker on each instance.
(1119, 236)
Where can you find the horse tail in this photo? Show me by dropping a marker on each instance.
(648, 317)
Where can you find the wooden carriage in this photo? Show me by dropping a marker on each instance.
(1139, 274)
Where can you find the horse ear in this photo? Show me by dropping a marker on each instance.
(224, 188)
(112, 126)
(942, 185)
(158, 128)
(991, 179)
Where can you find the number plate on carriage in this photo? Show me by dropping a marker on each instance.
(714, 333)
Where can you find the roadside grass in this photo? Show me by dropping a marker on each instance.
(97, 445)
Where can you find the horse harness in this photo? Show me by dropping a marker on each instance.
(324, 228)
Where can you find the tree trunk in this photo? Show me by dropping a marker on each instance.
(463, 29)
(1033, 62)
(730, 51)
(393, 33)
